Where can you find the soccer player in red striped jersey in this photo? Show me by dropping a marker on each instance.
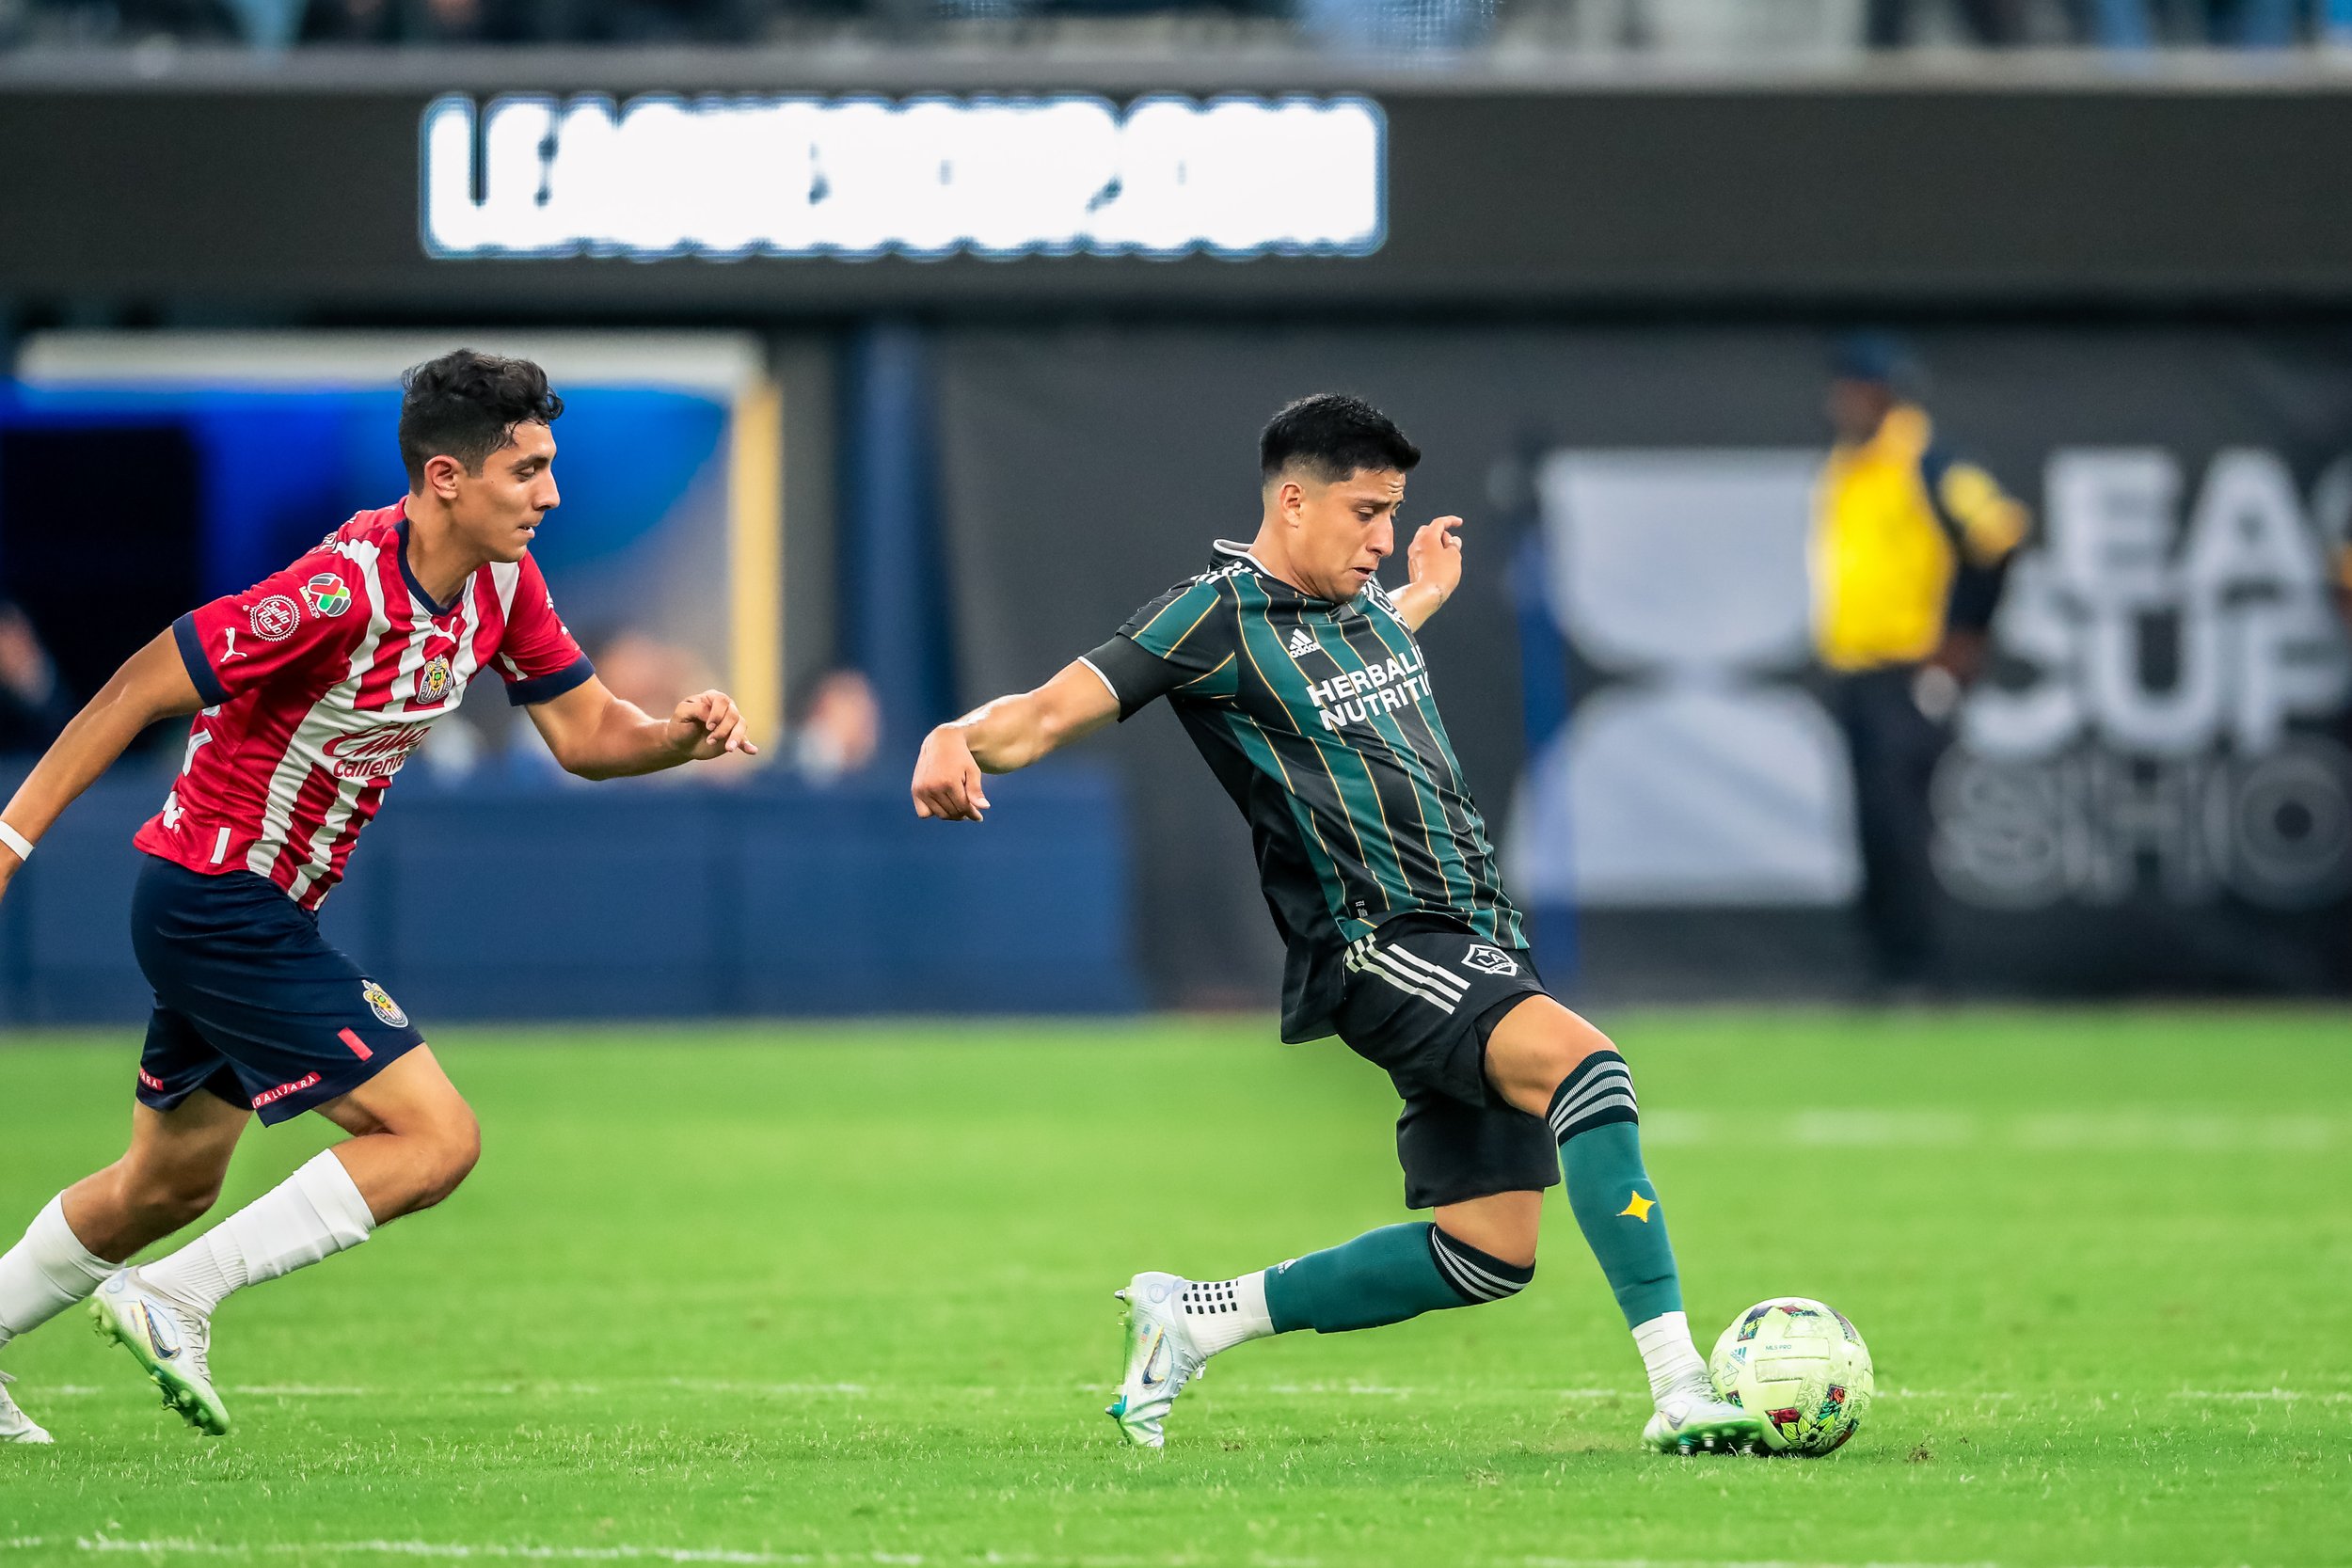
(310, 690)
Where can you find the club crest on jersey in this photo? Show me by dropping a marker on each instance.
(328, 595)
(1489, 961)
(380, 1003)
(432, 681)
(275, 618)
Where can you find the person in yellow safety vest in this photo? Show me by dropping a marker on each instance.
(1908, 552)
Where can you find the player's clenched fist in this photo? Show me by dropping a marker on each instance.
(947, 780)
(709, 725)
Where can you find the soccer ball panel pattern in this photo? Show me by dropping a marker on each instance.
(1803, 1367)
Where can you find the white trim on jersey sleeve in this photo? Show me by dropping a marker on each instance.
(1104, 678)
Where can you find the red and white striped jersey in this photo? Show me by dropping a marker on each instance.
(321, 680)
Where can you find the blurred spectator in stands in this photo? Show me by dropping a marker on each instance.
(33, 705)
(1409, 26)
(429, 21)
(638, 667)
(1909, 550)
(839, 727)
(2230, 23)
(2344, 583)
(1892, 23)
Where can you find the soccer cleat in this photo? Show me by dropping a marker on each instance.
(1693, 1421)
(16, 1426)
(1161, 1358)
(169, 1341)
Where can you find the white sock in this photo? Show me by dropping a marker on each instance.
(314, 1213)
(1222, 1313)
(1673, 1360)
(46, 1273)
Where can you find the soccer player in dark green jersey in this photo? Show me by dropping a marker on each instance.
(1297, 676)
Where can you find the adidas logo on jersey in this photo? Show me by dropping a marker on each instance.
(1302, 643)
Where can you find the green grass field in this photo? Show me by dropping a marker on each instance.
(842, 1295)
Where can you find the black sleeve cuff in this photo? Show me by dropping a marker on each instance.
(1134, 674)
(546, 688)
(208, 685)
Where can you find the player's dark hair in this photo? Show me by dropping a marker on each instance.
(465, 405)
(1333, 436)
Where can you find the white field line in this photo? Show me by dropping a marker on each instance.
(501, 1389)
(625, 1388)
(2115, 1130)
(493, 1551)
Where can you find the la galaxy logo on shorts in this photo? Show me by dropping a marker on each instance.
(1489, 961)
(380, 1003)
(329, 595)
(432, 681)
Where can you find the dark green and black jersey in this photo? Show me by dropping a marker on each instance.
(1318, 719)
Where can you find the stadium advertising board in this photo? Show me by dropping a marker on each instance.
(858, 178)
(2151, 788)
(541, 183)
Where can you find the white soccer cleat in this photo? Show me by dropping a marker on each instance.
(1161, 1358)
(1693, 1420)
(16, 1426)
(169, 1341)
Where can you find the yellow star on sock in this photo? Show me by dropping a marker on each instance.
(1639, 1206)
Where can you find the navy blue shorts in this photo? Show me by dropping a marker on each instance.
(251, 1003)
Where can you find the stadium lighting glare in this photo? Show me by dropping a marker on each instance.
(857, 178)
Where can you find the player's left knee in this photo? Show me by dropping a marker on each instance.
(450, 1149)
(1477, 1277)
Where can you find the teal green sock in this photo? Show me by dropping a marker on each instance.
(1386, 1276)
(1593, 1115)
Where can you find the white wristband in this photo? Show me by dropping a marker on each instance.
(16, 841)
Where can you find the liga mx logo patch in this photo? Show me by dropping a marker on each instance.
(1489, 961)
(329, 595)
(380, 1003)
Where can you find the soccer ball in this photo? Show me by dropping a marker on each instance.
(1801, 1367)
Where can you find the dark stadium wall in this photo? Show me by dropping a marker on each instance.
(294, 186)
(1086, 468)
(1566, 268)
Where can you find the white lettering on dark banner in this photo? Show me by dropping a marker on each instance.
(724, 177)
(2166, 664)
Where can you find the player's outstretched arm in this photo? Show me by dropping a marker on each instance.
(152, 684)
(1002, 735)
(1434, 562)
(598, 736)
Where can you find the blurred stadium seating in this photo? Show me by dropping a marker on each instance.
(1666, 29)
(901, 406)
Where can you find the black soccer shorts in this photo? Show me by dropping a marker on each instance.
(1423, 992)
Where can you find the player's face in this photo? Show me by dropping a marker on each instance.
(1342, 531)
(498, 509)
